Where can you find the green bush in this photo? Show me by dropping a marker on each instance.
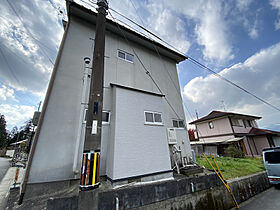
(234, 152)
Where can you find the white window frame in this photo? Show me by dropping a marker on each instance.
(153, 123)
(125, 54)
(109, 118)
(178, 120)
(103, 122)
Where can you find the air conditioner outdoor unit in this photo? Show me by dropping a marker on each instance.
(171, 135)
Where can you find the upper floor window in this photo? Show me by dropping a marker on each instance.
(248, 123)
(235, 122)
(211, 125)
(153, 118)
(125, 56)
(178, 123)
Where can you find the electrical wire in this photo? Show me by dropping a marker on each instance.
(29, 32)
(159, 55)
(144, 67)
(200, 64)
(9, 67)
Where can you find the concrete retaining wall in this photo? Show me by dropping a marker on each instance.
(207, 192)
(215, 198)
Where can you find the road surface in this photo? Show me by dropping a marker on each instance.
(267, 200)
(4, 166)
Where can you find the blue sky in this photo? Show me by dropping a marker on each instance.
(238, 38)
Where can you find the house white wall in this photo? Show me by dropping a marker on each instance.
(53, 158)
(138, 148)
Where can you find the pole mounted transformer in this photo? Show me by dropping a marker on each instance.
(92, 145)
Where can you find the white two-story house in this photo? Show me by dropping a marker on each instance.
(219, 129)
(136, 114)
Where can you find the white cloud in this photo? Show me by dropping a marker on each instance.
(170, 27)
(276, 5)
(243, 5)
(28, 45)
(16, 115)
(210, 26)
(259, 74)
(6, 93)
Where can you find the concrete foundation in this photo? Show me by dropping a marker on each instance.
(199, 192)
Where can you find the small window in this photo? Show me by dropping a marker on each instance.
(153, 118)
(105, 117)
(175, 123)
(125, 56)
(178, 123)
(129, 57)
(121, 54)
(235, 122)
(149, 117)
(211, 125)
(249, 123)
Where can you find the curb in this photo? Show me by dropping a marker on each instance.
(6, 183)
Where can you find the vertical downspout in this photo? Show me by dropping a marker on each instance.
(36, 137)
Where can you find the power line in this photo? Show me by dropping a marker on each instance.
(156, 49)
(198, 63)
(9, 67)
(28, 31)
(230, 82)
(145, 69)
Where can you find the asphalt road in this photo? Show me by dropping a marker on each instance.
(4, 166)
(267, 200)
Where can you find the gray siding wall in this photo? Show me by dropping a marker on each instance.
(138, 148)
(53, 158)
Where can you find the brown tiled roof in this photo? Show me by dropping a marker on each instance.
(258, 131)
(216, 114)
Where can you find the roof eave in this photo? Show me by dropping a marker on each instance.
(82, 12)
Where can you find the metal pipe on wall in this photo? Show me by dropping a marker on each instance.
(82, 122)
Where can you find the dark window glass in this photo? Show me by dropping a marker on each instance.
(235, 122)
(249, 123)
(129, 57)
(105, 116)
(175, 124)
(121, 55)
(181, 123)
(158, 118)
(272, 157)
(149, 117)
(211, 125)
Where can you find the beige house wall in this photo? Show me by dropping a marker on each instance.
(221, 126)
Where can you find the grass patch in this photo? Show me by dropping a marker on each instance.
(234, 167)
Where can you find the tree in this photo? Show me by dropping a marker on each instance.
(14, 135)
(26, 129)
(3, 132)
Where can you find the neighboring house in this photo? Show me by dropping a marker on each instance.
(218, 130)
(136, 114)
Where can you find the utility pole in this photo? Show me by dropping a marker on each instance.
(88, 198)
(92, 145)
